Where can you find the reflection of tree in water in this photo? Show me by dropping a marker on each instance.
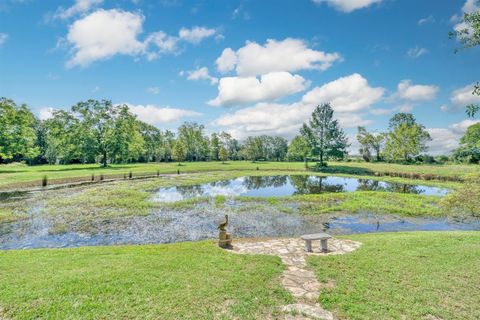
(369, 185)
(373, 185)
(252, 183)
(403, 188)
(190, 191)
(313, 185)
(222, 183)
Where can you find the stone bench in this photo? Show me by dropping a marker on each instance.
(323, 237)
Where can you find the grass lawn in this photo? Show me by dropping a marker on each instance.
(417, 275)
(177, 281)
(405, 276)
(19, 175)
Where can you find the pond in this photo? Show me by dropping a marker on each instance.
(200, 223)
(287, 185)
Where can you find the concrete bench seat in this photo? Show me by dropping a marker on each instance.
(323, 237)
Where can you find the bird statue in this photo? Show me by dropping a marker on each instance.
(223, 224)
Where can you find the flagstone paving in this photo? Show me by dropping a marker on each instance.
(297, 279)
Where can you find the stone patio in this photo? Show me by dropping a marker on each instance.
(297, 279)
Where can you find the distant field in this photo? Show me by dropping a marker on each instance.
(18, 175)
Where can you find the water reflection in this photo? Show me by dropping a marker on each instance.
(284, 185)
(200, 223)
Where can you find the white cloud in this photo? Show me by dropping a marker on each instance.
(201, 74)
(445, 140)
(462, 126)
(266, 118)
(196, 34)
(416, 52)
(285, 119)
(153, 114)
(347, 94)
(444, 108)
(286, 55)
(103, 34)
(427, 20)
(464, 96)
(270, 87)
(468, 7)
(164, 43)
(153, 90)
(407, 91)
(79, 7)
(3, 38)
(348, 5)
(45, 113)
(227, 60)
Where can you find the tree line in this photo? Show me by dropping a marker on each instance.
(101, 132)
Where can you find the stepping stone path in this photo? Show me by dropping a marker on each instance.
(297, 279)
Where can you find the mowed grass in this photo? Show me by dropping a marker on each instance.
(176, 281)
(20, 175)
(421, 275)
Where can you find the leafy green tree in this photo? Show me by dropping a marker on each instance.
(279, 147)
(253, 149)
(17, 132)
(324, 135)
(153, 142)
(110, 131)
(215, 145)
(62, 136)
(469, 37)
(370, 141)
(193, 138)
(179, 152)
(298, 149)
(223, 154)
(232, 145)
(469, 150)
(406, 139)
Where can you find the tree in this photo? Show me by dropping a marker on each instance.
(298, 149)
(179, 151)
(370, 141)
(214, 147)
(223, 154)
(112, 129)
(324, 135)
(253, 148)
(18, 134)
(469, 150)
(196, 144)
(406, 139)
(279, 148)
(468, 34)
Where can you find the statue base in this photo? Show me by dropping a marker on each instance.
(224, 239)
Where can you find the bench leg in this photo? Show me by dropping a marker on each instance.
(308, 245)
(323, 244)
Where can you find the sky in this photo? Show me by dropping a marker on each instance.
(243, 66)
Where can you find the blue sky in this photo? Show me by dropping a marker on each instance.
(247, 67)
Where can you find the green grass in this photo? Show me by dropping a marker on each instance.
(404, 276)
(19, 175)
(177, 281)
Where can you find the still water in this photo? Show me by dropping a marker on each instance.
(284, 185)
